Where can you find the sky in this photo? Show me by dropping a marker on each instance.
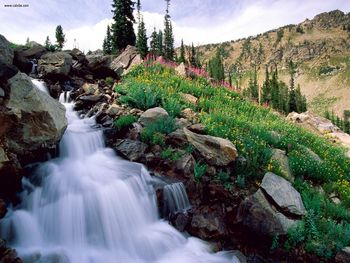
(195, 21)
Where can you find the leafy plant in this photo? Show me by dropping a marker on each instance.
(199, 170)
(124, 122)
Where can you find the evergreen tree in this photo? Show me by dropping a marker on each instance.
(168, 35)
(182, 53)
(274, 88)
(283, 98)
(122, 28)
(193, 56)
(292, 94)
(107, 42)
(160, 48)
(153, 42)
(27, 42)
(60, 37)
(266, 89)
(216, 67)
(141, 43)
(253, 86)
(47, 42)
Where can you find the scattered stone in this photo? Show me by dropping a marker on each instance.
(216, 151)
(189, 98)
(91, 98)
(190, 115)
(131, 150)
(89, 88)
(182, 123)
(198, 128)
(185, 165)
(181, 70)
(283, 194)
(151, 115)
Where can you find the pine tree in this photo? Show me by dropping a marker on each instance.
(47, 42)
(253, 88)
(266, 89)
(193, 56)
(216, 67)
(141, 43)
(153, 42)
(160, 47)
(168, 35)
(122, 28)
(107, 42)
(60, 37)
(292, 93)
(274, 88)
(182, 53)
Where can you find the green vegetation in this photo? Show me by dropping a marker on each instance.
(155, 132)
(107, 46)
(60, 37)
(342, 123)
(124, 122)
(168, 34)
(253, 130)
(171, 154)
(216, 67)
(199, 170)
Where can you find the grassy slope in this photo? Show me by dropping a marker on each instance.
(333, 88)
(255, 131)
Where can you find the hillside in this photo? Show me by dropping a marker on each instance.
(320, 47)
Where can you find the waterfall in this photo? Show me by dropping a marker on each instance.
(175, 198)
(40, 85)
(90, 206)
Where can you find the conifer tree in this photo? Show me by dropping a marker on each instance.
(153, 42)
(253, 86)
(266, 89)
(168, 35)
(122, 27)
(160, 48)
(47, 42)
(60, 37)
(141, 43)
(193, 56)
(216, 67)
(182, 53)
(107, 42)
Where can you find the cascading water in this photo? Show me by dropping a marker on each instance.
(175, 198)
(90, 206)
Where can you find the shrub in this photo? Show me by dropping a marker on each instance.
(199, 170)
(155, 131)
(141, 97)
(124, 122)
(170, 154)
(109, 81)
(173, 106)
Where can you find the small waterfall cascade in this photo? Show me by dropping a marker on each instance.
(175, 198)
(90, 206)
(40, 85)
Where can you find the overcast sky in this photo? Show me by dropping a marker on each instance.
(197, 21)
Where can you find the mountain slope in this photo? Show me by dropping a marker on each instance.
(320, 47)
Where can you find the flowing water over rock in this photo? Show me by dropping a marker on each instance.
(88, 205)
(175, 198)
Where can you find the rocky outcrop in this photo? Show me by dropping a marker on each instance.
(216, 151)
(126, 60)
(131, 149)
(321, 126)
(280, 158)
(55, 65)
(6, 52)
(100, 65)
(35, 52)
(181, 70)
(8, 255)
(7, 71)
(273, 209)
(32, 123)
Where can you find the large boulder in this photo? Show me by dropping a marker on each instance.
(35, 52)
(151, 115)
(7, 71)
(216, 151)
(57, 64)
(21, 62)
(100, 65)
(126, 60)
(283, 194)
(34, 118)
(261, 217)
(6, 52)
(131, 149)
(78, 55)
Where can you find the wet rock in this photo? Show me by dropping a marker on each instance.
(151, 115)
(8, 255)
(6, 52)
(130, 149)
(57, 64)
(180, 221)
(216, 151)
(91, 98)
(3, 209)
(283, 194)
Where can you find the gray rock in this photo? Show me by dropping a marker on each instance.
(343, 256)
(2, 93)
(216, 151)
(7, 71)
(125, 60)
(39, 119)
(35, 52)
(185, 165)
(283, 194)
(258, 215)
(130, 149)
(151, 115)
(91, 98)
(57, 63)
(177, 138)
(6, 52)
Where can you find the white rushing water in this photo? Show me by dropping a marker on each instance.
(175, 198)
(89, 206)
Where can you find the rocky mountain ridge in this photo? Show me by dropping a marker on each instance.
(320, 48)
